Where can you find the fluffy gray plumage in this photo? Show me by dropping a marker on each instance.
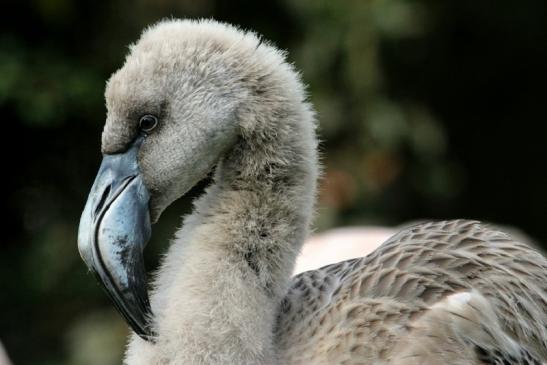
(445, 293)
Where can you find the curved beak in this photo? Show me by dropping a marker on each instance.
(114, 229)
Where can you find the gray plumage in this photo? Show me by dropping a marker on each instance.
(452, 292)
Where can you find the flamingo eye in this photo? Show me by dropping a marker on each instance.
(148, 122)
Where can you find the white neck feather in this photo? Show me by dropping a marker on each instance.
(218, 290)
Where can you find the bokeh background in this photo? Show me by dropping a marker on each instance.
(427, 108)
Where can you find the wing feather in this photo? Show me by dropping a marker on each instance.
(376, 303)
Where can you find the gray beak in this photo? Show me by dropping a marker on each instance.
(114, 229)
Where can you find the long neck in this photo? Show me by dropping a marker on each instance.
(219, 287)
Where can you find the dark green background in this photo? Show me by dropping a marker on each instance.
(428, 109)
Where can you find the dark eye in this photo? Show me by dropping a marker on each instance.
(148, 122)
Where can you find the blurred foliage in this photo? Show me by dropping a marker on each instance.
(427, 109)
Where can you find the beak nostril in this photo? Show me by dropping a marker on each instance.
(104, 196)
(127, 180)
